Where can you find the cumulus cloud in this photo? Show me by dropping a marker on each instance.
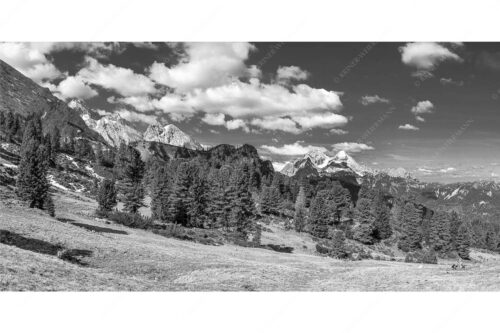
(74, 87)
(351, 147)
(426, 56)
(430, 171)
(205, 65)
(367, 100)
(293, 149)
(291, 73)
(422, 107)
(408, 127)
(235, 124)
(214, 119)
(29, 60)
(122, 80)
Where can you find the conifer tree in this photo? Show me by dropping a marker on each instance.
(363, 216)
(455, 224)
(382, 223)
(463, 241)
(132, 181)
(179, 197)
(198, 201)
(299, 219)
(243, 210)
(439, 237)
(55, 140)
(319, 216)
(49, 205)
(160, 192)
(270, 200)
(32, 184)
(106, 196)
(411, 236)
(340, 199)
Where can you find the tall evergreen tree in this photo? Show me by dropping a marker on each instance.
(198, 201)
(270, 200)
(32, 184)
(160, 192)
(299, 218)
(463, 241)
(440, 238)
(338, 250)
(243, 210)
(319, 216)
(106, 196)
(363, 216)
(132, 181)
(411, 235)
(382, 223)
(455, 224)
(179, 197)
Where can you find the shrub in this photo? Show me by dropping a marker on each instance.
(131, 220)
(422, 257)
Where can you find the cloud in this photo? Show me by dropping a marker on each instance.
(408, 127)
(214, 119)
(277, 123)
(338, 131)
(291, 73)
(426, 56)
(450, 82)
(430, 171)
(351, 147)
(421, 119)
(294, 149)
(278, 165)
(235, 124)
(423, 107)
(367, 100)
(136, 117)
(29, 60)
(205, 65)
(122, 80)
(74, 87)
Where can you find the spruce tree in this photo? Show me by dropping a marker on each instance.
(411, 235)
(299, 218)
(133, 173)
(106, 196)
(463, 241)
(55, 140)
(32, 184)
(382, 223)
(160, 192)
(363, 216)
(439, 237)
(198, 203)
(243, 210)
(179, 197)
(319, 216)
(270, 200)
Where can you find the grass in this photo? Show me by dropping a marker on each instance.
(131, 259)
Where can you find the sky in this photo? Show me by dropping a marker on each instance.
(431, 108)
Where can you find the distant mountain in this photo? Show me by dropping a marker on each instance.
(21, 95)
(172, 135)
(113, 128)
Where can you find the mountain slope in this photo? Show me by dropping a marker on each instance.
(172, 135)
(21, 95)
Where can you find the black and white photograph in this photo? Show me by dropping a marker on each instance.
(249, 165)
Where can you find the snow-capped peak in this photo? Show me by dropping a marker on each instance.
(318, 157)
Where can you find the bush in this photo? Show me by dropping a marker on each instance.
(422, 257)
(202, 236)
(131, 220)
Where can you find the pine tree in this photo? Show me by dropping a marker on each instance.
(340, 199)
(243, 210)
(198, 203)
(270, 200)
(455, 224)
(32, 184)
(411, 237)
(299, 219)
(49, 205)
(106, 196)
(160, 192)
(319, 216)
(132, 179)
(463, 241)
(439, 237)
(364, 218)
(382, 223)
(179, 198)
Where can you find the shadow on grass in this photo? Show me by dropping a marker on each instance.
(64, 219)
(39, 246)
(99, 229)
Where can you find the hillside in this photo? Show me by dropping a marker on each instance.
(21, 95)
(115, 257)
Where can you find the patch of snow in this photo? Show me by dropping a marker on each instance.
(454, 193)
(54, 183)
(11, 166)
